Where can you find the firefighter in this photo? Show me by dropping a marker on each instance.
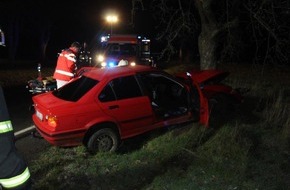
(66, 65)
(14, 173)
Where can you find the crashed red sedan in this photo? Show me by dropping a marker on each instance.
(104, 106)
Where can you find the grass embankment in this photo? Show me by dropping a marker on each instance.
(249, 152)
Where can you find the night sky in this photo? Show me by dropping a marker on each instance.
(68, 21)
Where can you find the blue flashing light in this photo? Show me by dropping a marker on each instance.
(111, 64)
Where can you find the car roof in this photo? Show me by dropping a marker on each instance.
(108, 72)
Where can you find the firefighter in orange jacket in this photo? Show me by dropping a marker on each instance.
(66, 65)
(14, 173)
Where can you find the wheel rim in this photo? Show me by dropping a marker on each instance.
(104, 143)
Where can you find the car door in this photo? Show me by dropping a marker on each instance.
(123, 100)
(169, 98)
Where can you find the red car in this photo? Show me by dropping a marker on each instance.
(106, 105)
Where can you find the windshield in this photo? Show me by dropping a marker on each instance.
(121, 49)
(73, 91)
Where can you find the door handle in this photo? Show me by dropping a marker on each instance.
(113, 107)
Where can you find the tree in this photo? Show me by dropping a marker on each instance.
(228, 30)
(29, 21)
(269, 31)
(207, 40)
(177, 25)
(11, 22)
(13, 38)
(206, 20)
(217, 20)
(40, 17)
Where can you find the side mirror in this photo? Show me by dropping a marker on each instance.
(2, 38)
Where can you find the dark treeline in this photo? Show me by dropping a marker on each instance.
(226, 31)
(206, 31)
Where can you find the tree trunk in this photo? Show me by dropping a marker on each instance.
(207, 45)
(207, 40)
(44, 39)
(13, 39)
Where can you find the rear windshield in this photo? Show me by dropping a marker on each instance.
(73, 91)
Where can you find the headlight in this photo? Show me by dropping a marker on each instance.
(100, 58)
(132, 63)
(103, 64)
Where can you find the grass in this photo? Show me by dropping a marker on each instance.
(249, 152)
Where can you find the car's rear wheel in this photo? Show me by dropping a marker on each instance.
(103, 140)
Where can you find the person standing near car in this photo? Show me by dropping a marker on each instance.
(14, 173)
(66, 64)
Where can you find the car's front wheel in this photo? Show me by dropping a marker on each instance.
(103, 140)
(221, 110)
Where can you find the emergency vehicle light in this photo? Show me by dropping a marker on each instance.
(104, 38)
(111, 64)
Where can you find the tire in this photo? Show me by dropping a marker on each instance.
(103, 140)
(218, 104)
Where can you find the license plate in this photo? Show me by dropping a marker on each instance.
(39, 115)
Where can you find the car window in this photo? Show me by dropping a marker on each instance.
(107, 94)
(163, 90)
(74, 90)
(126, 87)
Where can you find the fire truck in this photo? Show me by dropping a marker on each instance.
(114, 50)
(123, 49)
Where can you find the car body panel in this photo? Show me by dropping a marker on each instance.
(210, 82)
(205, 76)
(131, 116)
(131, 119)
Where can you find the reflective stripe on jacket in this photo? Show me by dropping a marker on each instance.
(5, 126)
(10, 162)
(13, 169)
(16, 180)
(65, 66)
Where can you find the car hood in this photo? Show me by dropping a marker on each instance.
(205, 76)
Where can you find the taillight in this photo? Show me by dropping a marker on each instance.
(52, 121)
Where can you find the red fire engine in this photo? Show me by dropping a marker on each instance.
(124, 49)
